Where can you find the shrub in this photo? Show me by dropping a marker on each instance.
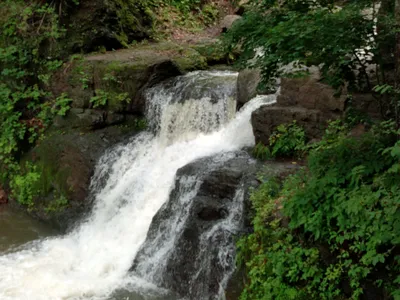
(343, 224)
(288, 140)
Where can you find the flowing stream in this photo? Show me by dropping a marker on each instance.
(190, 117)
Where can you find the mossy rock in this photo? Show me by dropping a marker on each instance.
(66, 159)
(110, 24)
(122, 76)
(213, 51)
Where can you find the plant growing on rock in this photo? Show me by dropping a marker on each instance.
(25, 73)
(288, 140)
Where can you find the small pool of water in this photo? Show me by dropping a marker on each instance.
(17, 228)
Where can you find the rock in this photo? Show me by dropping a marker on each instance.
(228, 21)
(366, 104)
(128, 71)
(201, 241)
(65, 160)
(247, 85)
(241, 7)
(3, 196)
(305, 100)
(267, 118)
(94, 24)
(309, 93)
(84, 119)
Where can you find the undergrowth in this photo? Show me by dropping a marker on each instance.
(332, 230)
(288, 140)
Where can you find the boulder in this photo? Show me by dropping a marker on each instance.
(266, 119)
(203, 254)
(247, 85)
(66, 159)
(92, 25)
(308, 92)
(126, 72)
(227, 22)
(305, 100)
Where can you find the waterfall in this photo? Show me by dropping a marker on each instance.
(190, 117)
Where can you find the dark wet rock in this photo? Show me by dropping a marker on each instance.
(309, 93)
(305, 100)
(94, 24)
(266, 119)
(195, 269)
(201, 261)
(241, 7)
(65, 160)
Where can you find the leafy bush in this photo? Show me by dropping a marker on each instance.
(331, 231)
(309, 33)
(25, 72)
(288, 140)
(262, 152)
(23, 186)
(283, 38)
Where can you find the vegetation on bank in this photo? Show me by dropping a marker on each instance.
(330, 231)
(37, 38)
(353, 43)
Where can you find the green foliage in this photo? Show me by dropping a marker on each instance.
(175, 16)
(288, 140)
(103, 97)
(273, 34)
(25, 72)
(23, 185)
(57, 205)
(330, 231)
(308, 33)
(140, 124)
(393, 94)
(185, 5)
(262, 152)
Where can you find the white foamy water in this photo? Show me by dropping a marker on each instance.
(130, 185)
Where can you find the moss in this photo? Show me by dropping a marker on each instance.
(215, 53)
(190, 60)
(112, 24)
(53, 176)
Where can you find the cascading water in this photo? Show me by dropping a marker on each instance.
(188, 120)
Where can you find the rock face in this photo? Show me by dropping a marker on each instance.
(267, 118)
(248, 82)
(310, 94)
(122, 76)
(112, 24)
(65, 160)
(304, 100)
(203, 250)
